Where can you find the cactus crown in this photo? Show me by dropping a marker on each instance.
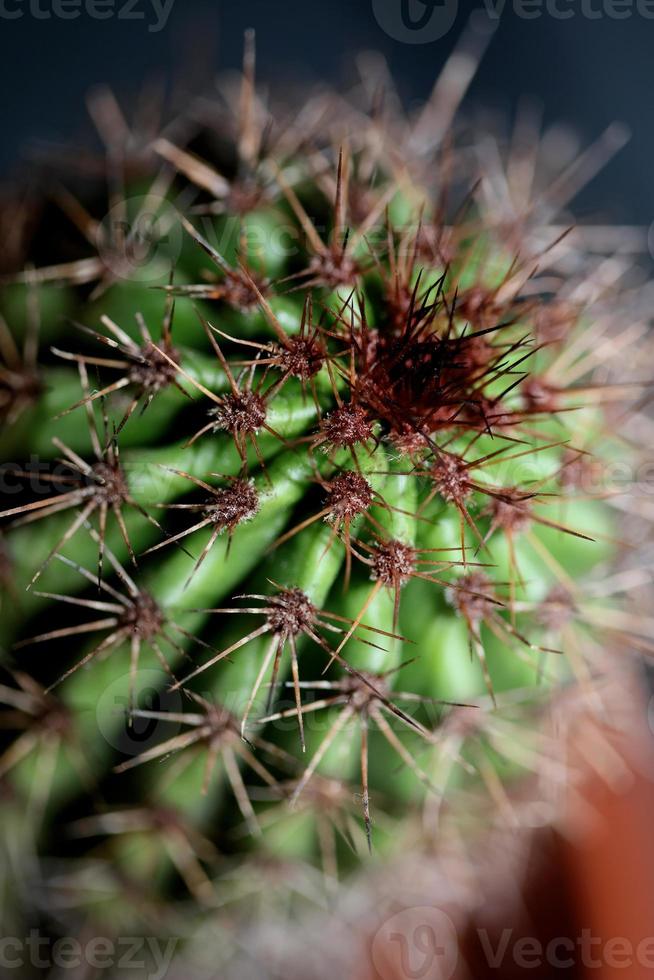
(319, 433)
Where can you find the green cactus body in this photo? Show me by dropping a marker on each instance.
(351, 523)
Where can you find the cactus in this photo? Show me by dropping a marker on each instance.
(304, 495)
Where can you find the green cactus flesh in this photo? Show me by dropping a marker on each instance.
(296, 514)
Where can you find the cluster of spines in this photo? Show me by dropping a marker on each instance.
(422, 366)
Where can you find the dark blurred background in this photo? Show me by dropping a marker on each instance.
(587, 70)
